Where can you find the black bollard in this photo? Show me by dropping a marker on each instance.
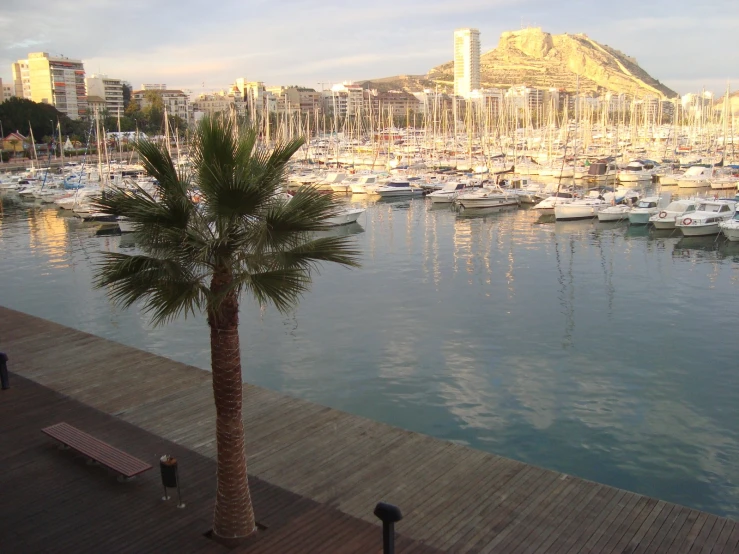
(389, 515)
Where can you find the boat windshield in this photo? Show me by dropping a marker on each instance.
(644, 204)
(709, 207)
(679, 207)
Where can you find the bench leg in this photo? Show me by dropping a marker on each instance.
(91, 462)
(124, 479)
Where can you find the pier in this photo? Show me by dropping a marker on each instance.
(316, 472)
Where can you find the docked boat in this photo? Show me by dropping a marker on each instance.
(448, 192)
(546, 206)
(706, 218)
(645, 209)
(328, 182)
(584, 208)
(345, 217)
(356, 184)
(619, 212)
(730, 228)
(665, 219)
(601, 171)
(636, 171)
(393, 189)
(488, 197)
(696, 176)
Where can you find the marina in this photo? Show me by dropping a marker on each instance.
(571, 345)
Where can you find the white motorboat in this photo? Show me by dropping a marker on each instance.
(584, 208)
(393, 189)
(345, 217)
(356, 184)
(488, 197)
(547, 205)
(448, 192)
(329, 181)
(726, 181)
(706, 218)
(730, 228)
(665, 219)
(619, 212)
(636, 171)
(644, 209)
(695, 177)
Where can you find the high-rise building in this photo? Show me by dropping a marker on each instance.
(466, 61)
(111, 90)
(54, 80)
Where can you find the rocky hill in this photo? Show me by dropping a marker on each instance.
(535, 58)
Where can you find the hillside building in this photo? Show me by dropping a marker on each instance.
(54, 80)
(466, 61)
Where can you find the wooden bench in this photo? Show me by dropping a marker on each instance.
(96, 450)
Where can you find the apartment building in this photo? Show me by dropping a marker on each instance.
(466, 61)
(54, 80)
(111, 90)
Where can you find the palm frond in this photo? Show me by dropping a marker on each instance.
(309, 255)
(167, 287)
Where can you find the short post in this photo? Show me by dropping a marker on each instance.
(169, 470)
(389, 515)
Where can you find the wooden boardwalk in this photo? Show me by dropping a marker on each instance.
(454, 498)
(51, 501)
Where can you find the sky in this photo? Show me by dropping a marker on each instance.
(201, 46)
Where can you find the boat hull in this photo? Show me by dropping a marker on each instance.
(731, 232)
(612, 216)
(639, 218)
(345, 218)
(699, 230)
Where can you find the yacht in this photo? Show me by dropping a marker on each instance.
(329, 181)
(646, 208)
(695, 177)
(665, 219)
(584, 208)
(636, 171)
(345, 217)
(355, 184)
(730, 228)
(706, 218)
(547, 205)
(488, 197)
(393, 189)
(449, 192)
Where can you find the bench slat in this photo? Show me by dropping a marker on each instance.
(95, 449)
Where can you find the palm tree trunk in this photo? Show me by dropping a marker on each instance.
(234, 514)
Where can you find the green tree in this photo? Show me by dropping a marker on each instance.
(24, 116)
(127, 92)
(242, 237)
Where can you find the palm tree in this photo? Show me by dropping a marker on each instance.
(242, 236)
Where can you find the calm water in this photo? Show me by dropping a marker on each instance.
(603, 351)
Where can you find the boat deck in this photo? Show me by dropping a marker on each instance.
(454, 498)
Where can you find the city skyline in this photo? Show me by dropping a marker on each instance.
(316, 44)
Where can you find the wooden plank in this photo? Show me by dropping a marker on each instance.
(722, 539)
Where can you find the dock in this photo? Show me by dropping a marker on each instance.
(332, 465)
